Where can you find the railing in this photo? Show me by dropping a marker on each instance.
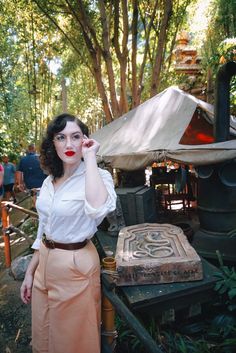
(7, 228)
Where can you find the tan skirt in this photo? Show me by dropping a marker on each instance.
(66, 301)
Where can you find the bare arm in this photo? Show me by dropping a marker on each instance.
(95, 190)
(1, 177)
(19, 180)
(26, 287)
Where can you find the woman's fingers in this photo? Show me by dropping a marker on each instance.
(25, 293)
(90, 143)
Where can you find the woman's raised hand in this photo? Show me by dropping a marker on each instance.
(89, 146)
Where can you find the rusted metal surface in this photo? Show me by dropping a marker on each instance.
(7, 220)
(108, 311)
(152, 253)
(5, 225)
(22, 209)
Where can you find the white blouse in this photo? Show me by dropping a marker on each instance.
(65, 215)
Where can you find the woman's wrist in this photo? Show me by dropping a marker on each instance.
(89, 156)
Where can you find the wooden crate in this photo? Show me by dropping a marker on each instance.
(152, 253)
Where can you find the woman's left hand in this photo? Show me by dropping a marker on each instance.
(89, 146)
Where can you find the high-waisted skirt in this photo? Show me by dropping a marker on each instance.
(66, 301)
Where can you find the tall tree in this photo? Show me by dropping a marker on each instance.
(127, 39)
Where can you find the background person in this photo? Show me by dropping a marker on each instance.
(65, 268)
(1, 189)
(1, 182)
(29, 172)
(9, 179)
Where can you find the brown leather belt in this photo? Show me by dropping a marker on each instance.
(51, 244)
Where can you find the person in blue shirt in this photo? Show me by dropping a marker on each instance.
(29, 173)
(8, 179)
(1, 182)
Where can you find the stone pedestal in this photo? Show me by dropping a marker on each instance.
(152, 253)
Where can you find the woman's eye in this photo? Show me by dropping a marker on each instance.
(60, 138)
(76, 137)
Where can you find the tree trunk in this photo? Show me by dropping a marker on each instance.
(34, 86)
(210, 87)
(135, 100)
(108, 59)
(122, 55)
(95, 52)
(64, 95)
(102, 92)
(4, 92)
(146, 48)
(160, 48)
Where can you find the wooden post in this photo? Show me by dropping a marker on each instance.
(5, 225)
(64, 95)
(108, 312)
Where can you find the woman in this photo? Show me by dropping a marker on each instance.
(1, 189)
(64, 273)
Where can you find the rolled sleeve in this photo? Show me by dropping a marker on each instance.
(110, 204)
(36, 243)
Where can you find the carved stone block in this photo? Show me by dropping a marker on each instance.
(152, 253)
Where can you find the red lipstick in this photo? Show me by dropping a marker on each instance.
(70, 153)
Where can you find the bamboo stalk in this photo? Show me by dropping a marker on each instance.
(108, 311)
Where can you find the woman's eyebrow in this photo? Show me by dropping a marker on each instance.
(76, 132)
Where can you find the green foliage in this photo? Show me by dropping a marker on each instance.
(126, 337)
(227, 49)
(183, 344)
(36, 34)
(226, 285)
(26, 82)
(30, 227)
(212, 332)
(220, 45)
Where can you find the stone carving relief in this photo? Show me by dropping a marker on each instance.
(155, 253)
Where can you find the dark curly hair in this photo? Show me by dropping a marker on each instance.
(49, 159)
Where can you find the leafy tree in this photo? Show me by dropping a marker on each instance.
(220, 44)
(26, 81)
(112, 54)
(123, 44)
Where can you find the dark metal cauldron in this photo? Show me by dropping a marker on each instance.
(217, 183)
(217, 211)
(217, 198)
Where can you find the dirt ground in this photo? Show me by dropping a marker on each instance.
(15, 317)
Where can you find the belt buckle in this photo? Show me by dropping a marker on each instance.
(48, 242)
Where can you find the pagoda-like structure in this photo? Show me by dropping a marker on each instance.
(188, 62)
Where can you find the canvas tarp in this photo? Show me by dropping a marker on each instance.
(153, 132)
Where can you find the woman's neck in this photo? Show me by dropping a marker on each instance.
(68, 172)
(69, 169)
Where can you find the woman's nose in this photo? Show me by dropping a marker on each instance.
(68, 141)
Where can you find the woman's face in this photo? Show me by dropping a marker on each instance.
(68, 143)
